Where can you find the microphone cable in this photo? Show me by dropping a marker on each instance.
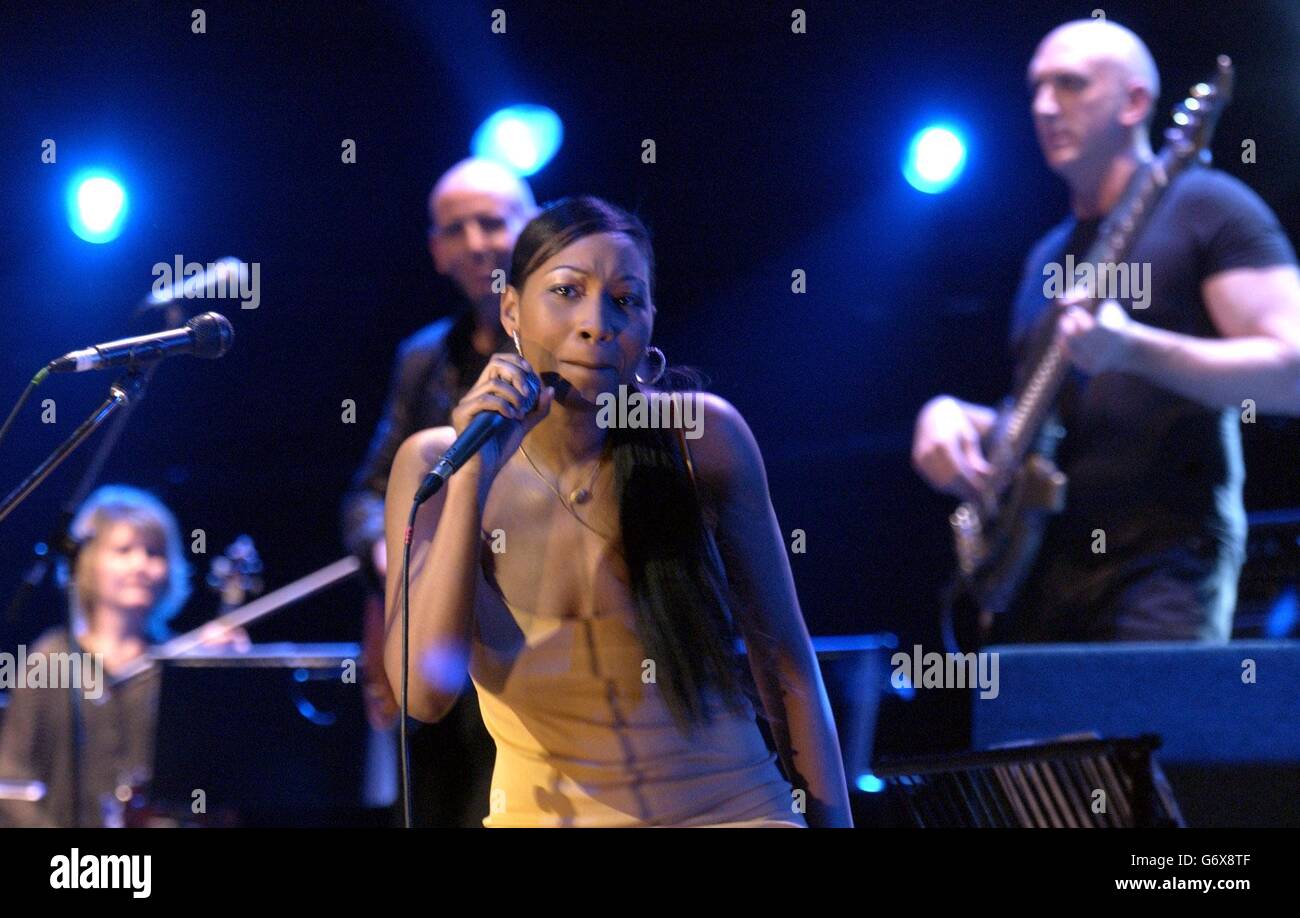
(405, 750)
(22, 399)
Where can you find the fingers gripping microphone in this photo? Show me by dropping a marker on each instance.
(484, 426)
(208, 335)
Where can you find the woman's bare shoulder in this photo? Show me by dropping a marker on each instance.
(424, 447)
(721, 444)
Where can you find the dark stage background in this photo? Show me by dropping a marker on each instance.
(775, 151)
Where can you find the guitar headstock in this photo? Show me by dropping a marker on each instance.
(1196, 116)
(235, 574)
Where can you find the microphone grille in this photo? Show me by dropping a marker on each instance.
(212, 335)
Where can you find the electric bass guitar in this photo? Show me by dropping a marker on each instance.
(997, 535)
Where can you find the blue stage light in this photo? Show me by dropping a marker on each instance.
(935, 159)
(870, 784)
(97, 206)
(1283, 615)
(524, 138)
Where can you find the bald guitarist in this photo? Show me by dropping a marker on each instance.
(1149, 543)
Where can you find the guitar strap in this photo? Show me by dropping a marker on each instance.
(686, 455)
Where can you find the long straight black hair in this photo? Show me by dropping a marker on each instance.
(678, 582)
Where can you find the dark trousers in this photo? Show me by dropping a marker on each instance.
(1183, 592)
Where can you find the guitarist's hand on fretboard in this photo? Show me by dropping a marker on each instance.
(1098, 344)
(946, 448)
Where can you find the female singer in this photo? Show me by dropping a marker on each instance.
(592, 578)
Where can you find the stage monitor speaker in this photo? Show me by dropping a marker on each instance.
(1228, 716)
(1069, 784)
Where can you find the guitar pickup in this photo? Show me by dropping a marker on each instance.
(1044, 485)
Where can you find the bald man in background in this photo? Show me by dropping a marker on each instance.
(476, 211)
(1152, 409)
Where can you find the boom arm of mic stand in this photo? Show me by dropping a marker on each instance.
(121, 393)
(59, 540)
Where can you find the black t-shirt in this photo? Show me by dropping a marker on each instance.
(435, 367)
(1147, 467)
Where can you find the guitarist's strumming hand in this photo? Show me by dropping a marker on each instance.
(214, 634)
(1097, 344)
(946, 448)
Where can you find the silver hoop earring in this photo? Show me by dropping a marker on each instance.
(662, 362)
(518, 350)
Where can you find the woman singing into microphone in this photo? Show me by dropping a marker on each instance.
(593, 578)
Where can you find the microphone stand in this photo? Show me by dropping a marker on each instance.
(59, 541)
(124, 393)
(128, 389)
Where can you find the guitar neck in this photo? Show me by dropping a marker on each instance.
(1036, 398)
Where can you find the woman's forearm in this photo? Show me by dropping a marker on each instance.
(444, 571)
(804, 732)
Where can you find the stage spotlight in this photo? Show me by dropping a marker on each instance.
(1284, 614)
(522, 137)
(870, 784)
(97, 206)
(935, 159)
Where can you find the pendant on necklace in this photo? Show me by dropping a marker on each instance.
(580, 496)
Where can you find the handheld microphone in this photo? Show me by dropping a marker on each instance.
(208, 336)
(484, 426)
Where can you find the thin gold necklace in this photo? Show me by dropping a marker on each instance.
(576, 496)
